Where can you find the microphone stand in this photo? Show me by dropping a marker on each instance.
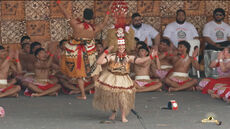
(139, 118)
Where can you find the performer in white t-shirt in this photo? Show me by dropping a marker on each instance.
(180, 29)
(217, 33)
(144, 32)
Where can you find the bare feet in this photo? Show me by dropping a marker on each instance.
(15, 95)
(81, 97)
(198, 88)
(210, 92)
(124, 120)
(113, 116)
(74, 92)
(191, 89)
(35, 95)
(215, 96)
(226, 100)
(54, 94)
(172, 89)
(160, 90)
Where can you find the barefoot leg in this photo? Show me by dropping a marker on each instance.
(215, 96)
(11, 91)
(113, 116)
(46, 92)
(81, 86)
(154, 87)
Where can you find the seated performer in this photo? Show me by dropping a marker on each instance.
(7, 87)
(114, 89)
(179, 79)
(165, 54)
(222, 64)
(221, 91)
(42, 84)
(143, 82)
(27, 61)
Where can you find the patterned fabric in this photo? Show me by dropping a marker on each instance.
(12, 31)
(17, 16)
(12, 10)
(37, 10)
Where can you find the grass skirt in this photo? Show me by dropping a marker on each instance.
(113, 92)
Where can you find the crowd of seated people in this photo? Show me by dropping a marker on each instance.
(37, 70)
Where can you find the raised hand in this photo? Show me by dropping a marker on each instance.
(195, 52)
(110, 48)
(11, 52)
(17, 54)
(220, 55)
(154, 52)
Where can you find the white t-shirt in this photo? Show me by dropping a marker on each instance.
(145, 31)
(178, 32)
(217, 32)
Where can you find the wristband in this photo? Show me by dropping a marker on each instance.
(166, 53)
(221, 60)
(182, 56)
(156, 56)
(58, 1)
(17, 60)
(194, 58)
(8, 58)
(51, 55)
(106, 52)
(107, 13)
(151, 57)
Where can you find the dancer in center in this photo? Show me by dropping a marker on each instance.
(114, 89)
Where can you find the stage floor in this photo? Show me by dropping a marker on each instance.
(66, 112)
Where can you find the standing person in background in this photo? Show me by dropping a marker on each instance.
(80, 57)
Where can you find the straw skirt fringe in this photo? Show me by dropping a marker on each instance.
(113, 92)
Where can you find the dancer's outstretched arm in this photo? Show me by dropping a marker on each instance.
(99, 27)
(67, 15)
(102, 59)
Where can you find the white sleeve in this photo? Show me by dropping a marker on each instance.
(228, 31)
(167, 31)
(153, 32)
(206, 31)
(194, 31)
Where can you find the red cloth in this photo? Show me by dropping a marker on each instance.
(182, 83)
(48, 86)
(170, 71)
(225, 91)
(6, 89)
(85, 84)
(28, 93)
(66, 91)
(81, 49)
(213, 82)
(86, 25)
(150, 84)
